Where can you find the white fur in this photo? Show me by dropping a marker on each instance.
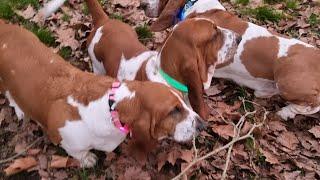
(51, 7)
(128, 68)
(153, 7)
(285, 44)
(97, 65)
(211, 70)
(229, 42)
(204, 5)
(12, 103)
(290, 111)
(95, 129)
(186, 129)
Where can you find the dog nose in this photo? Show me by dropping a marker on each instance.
(200, 124)
(238, 40)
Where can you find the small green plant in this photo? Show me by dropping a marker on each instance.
(20, 4)
(265, 13)
(314, 19)
(5, 11)
(242, 2)
(65, 52)
(85, 9)
(43, 34)
(292, 4)
(272, 1)
(65, 17)
(144, 33)
(249, 144)
(83, 174)
(116, 16)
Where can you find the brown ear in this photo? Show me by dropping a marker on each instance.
(168, 15)
(142, 141)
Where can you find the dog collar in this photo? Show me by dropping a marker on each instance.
(181, 15)
(174, 83)
(114, 113)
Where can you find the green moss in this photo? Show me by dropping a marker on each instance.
(20, 4)
(273, 1)
(85, 9)
(65, 52)
(314, 19)
(292, 4)
(116, 16)
(144, 33)
(265, 13)
(242, 2)
(65, 17)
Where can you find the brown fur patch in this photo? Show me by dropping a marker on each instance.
(258, 60)
(297, 75)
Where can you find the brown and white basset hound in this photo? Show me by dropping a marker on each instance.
(82, 111)
(116, 51)
(268, 63)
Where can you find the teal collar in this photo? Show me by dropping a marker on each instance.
(174, 83)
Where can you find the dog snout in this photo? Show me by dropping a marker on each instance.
(239, 39)
(200, 124)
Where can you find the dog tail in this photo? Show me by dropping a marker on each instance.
(96, 11)
(94, 7)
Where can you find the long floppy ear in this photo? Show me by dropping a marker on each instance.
(142, 141)
(168, 15)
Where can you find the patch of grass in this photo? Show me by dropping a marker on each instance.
(65, 17)
(314, 19)
(83, 174)
(249, 144)
(243, 2)
(116, 16)
(292, 4)
(144, 33)
(272, 1)
(85, 9)
(265, 13)
(6, 11)
(19, 4)
(43, 34)
(65, 52)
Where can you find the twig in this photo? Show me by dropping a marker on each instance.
(22, 152)
(195, 147)
(236, 138)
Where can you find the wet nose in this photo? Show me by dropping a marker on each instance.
(239, 39)
(201, 124)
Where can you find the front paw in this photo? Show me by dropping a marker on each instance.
(89, 160)
(286, 114)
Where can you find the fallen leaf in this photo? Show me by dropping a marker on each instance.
(173, 156)
(20, 147)
(291, 175)
(63, 162)
(224, 131)
(20, 165)
(272, 159)
(288, 139)
(2, 115)
(135, 173)
(276, 126)
(33, 152)
(187, 155)
(28, 13)
(315, 131)
(213, 90)
(66, 37)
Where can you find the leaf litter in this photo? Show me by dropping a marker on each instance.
(280, 150)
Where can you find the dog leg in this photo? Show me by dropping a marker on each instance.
(66, 127)
(290, 111)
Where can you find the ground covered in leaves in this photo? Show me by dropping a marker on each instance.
(280, 149)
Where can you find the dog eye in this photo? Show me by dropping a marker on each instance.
(176, 110)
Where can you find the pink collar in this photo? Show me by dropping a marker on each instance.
(114, 113)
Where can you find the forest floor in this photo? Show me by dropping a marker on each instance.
(278, 150)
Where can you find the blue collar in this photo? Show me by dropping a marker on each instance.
(181, 15)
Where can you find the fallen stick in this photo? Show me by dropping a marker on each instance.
(236, 138)
(22, 152)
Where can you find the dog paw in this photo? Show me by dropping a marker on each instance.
(286, 114)
(89, 160)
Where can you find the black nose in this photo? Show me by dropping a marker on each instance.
(201, 124)
(239, 39)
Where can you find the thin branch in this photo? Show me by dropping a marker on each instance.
(22, 152)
